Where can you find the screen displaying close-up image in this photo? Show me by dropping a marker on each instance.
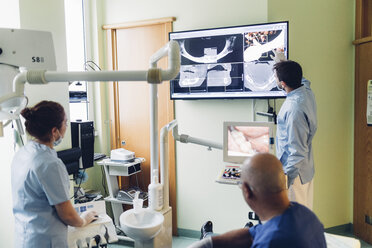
(247, 140)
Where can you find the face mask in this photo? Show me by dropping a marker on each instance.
(58, 141)
(279, 87)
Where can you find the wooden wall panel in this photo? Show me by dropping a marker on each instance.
(362, 218)
(362, 144)
(363, 19)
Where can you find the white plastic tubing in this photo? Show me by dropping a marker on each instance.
(184, 138)
(153, 76)
(164, 161)
(172, 49)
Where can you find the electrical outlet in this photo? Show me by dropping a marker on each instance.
(368, 219)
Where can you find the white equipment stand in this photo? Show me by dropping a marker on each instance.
(113, 169)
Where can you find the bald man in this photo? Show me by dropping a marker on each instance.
(284, 223)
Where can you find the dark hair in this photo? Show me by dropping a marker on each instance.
(289, 72)
(42, 118)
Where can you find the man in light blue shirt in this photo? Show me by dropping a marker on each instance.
(296, 127)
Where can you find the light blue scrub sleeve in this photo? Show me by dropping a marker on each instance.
(297, 130)
(55, 182)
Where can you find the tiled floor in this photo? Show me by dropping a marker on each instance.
(177, 242)
(182, 242)
(348, 233)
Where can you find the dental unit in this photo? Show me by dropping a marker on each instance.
(20, 47)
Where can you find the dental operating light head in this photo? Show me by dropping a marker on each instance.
(21, 49)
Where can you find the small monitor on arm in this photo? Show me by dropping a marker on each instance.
(242, 140)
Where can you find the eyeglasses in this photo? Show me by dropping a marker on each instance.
(240, 184)
(66, 122)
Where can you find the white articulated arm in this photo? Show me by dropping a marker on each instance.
(184, 138)
(164, 161)
(42, 77)
(153, 76)
(171, 49)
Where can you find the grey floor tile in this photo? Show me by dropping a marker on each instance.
(177, 242)
(183, 242)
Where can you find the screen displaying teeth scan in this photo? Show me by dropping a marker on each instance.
(231, 62)
(241, 140)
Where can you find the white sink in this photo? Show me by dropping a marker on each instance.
(142, 225)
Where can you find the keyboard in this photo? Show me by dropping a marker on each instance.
(98, 156)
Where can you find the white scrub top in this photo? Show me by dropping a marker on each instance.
(39, 181)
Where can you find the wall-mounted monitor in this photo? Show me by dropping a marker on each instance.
(230, 62)
(241, 140)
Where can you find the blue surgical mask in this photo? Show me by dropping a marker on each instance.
(58, 141)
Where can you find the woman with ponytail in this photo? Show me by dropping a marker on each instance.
(40, 182)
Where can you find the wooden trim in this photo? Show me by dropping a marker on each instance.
(115, 88)
(358, 19)
(362, 40)
(139, 23)
(110, 65)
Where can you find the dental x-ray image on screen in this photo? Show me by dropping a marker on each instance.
(231, 62)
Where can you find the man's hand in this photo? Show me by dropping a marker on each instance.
(278, 55)
(233, 239)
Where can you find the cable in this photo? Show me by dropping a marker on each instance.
(103, 181)
(81, 177)
(93, 67)
(137, 180)
(143, 181)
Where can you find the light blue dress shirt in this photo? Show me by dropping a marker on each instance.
(39, 181)
(296, 127)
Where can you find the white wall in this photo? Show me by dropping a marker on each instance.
(9, 18)
(199, 198)
(329, 64)
(34, 16)
(320, 39)
(30, 15)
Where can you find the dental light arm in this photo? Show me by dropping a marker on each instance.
(37, 62)
(153, 75)
(184, 138)
(164, 162)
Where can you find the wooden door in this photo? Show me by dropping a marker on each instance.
(362, 145)
(362, 219)
(129, 47)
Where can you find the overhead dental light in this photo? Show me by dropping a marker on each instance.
(21, 50)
